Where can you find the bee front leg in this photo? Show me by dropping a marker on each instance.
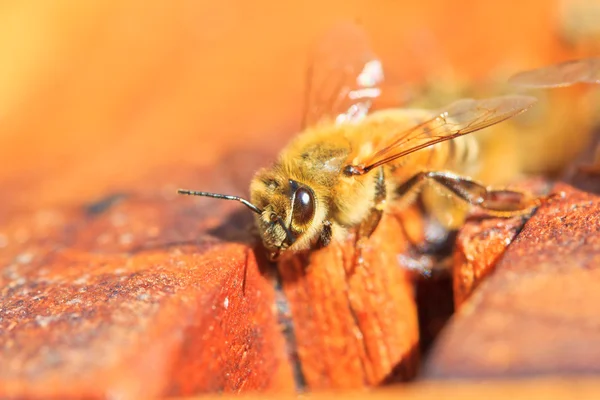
(368, 226)
(370, 223)
(496, 202)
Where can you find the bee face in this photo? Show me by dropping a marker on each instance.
(288, 211)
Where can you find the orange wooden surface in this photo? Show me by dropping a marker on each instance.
(355, 323)
(111, 284)
(536, 314)
(547, 389)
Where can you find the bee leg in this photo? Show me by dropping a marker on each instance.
(325, 235)
(437, 239)
(497, 202)
(368, 226)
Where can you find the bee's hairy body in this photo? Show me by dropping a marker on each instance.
(349, 165)
(315, 160)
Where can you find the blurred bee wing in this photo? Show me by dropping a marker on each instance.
(563, 74)
(457, 119)
(344, 77)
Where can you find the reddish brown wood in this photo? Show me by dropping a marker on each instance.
(128, 301)
(146, 294)
(481, 243)
(355, 324)
(522, 389)
(537, 313)
(478, 246)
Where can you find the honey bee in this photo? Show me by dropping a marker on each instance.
(348, 166)
(563, 74)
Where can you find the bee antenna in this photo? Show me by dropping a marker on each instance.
(221, 196)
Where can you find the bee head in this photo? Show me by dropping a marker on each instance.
(286, 212)
(289, 212)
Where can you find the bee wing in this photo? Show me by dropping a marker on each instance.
(344, 77)
(558, 75)
(457, 119)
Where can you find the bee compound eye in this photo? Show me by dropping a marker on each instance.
(304, 207)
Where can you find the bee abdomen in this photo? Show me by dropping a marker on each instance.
(462, 153)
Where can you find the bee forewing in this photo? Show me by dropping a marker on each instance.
(457, 119)
(344, 77)
(558, 75)
(468, 115)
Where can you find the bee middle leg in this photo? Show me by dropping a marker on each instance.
(496, 202)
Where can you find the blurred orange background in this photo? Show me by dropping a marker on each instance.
(102, 96)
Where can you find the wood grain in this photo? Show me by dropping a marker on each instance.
(355, 322)
(111, 285)
(535, 314)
